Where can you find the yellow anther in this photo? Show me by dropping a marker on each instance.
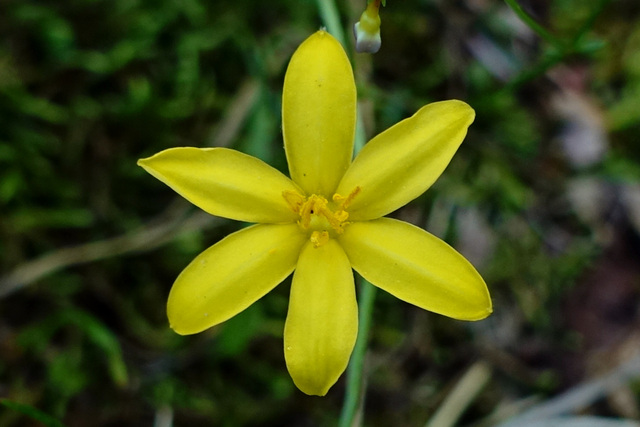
(317, 216)
(294, 200)
(341, 216)
(314, 205)
(319, 238)
(345, 201)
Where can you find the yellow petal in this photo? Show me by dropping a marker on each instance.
(398, 165)
(416, 267)
(232, 274)
(225, 183)
(322, 322)
(319, 114)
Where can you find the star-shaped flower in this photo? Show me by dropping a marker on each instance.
(324, 221)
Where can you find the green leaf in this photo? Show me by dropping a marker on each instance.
(99, 334)
(104, 339)
(31, 412)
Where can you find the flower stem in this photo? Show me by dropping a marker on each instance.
(355, 390)
(331, 19)
(354, 395)
(533, 24)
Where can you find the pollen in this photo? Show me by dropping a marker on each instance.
(345, 201)
(320, 217)
(319, 238)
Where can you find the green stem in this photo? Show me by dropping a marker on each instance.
(558, 52)
(354, 394)
(355, 391)
(331, 19)
(589, 22)
(533, 24)
(550, 60)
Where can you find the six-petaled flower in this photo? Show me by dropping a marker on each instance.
(323, 221)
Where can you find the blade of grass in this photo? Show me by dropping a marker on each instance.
(31, 412)
(467, 389)
(533, 24)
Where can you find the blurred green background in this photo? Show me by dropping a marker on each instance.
(543, 197)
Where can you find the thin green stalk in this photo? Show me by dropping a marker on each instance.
(354, 395)
(533, 24)
(331, 19)
(558, 52)
(588, 24)
(355, 391)
(550, 60)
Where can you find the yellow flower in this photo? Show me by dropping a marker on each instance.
(324, 221)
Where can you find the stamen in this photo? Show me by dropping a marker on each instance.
(319, 238)
(335, 219)
(345, 201)
(316, 214)
(294, 200)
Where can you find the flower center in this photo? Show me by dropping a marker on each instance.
(320, 217)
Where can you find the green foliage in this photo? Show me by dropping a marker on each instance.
(39, 336)
(31, 412)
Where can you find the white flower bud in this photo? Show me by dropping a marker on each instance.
(367, 30)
